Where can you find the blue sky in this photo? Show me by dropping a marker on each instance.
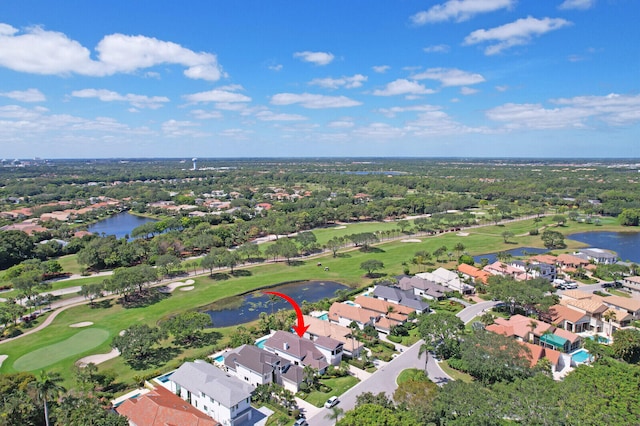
(470, 78)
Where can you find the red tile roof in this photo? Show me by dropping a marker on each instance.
(161, 407)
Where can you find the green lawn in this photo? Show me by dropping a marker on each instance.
(618, 292)
(411, 374)
(455, 374)
(345, 269)
(338, 385)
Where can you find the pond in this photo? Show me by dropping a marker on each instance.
(120, 224)
(625, 244)
(521, 251)
(255, 303)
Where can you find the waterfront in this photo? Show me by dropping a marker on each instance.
(625, 244)
(120, 224)
(256, 302)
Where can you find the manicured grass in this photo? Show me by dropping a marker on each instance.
(338, 385)
(70, 263)
(411, 374)
(344, 269)
(414, 336)
(618, 292)
(80, 342)
(455, 374)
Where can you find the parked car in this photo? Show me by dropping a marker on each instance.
(607, 285)
(331, 402)
(301, 422)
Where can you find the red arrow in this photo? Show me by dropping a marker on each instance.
(300, 328)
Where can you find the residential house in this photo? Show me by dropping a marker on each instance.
(160, 407)
(534, 269)
(257, 366)
(318, 328)
(209, 389)
(304, 352)
(632, 284)
(598, 255)
(403, 298)
(574, 320)
(555, 358)
(390, 310)
(630, 305)
(538, 332)
(344, 314)
(474, 274)
(570, 261)
(501, 268)
(422, 287)
(447, 278)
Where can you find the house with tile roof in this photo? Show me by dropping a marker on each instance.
(632, 284)
(215, 393)
(570, 261)
(383, 307)
(630, 305)
(304, 352)
(574, 320)
(538, 332)
(475, 274)
(557, 359)
(161, 407)
(318, 328)
(505, 270)
(257, 366)
(344, 314)
(399, 297)
(533, 269)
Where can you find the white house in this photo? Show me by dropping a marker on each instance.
(210, 390)
(299, 351)
(448, 279)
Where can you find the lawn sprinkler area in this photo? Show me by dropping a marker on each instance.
(78, 343)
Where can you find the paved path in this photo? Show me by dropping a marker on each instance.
(383, 380)
(472, 311)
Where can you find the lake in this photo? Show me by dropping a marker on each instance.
(120, 224)
(521, 251)
(256, 302)
(625, 244)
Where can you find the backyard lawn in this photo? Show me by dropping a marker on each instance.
(338, 385)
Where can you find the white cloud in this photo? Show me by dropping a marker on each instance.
(403, 87)
(334, 83)
(341, 124)
(515, 33)
(577, 112)
(29, 95)
(438, 48)
(175, 129)
(237, 134)
(318, 58)
(276, 67)
(271, 116)
(468, 91)
(381, 69)
(309, 100)
(459, 10)
(393, 111)
(380, 131)
(577, 4)
(450, 76)
(502, 88)
(39, 51)
(437, 122)
(225, 94)
(202, 114)
(138, 101)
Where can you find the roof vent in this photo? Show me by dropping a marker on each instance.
(285, 345)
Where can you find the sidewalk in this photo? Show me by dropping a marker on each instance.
(306, 408)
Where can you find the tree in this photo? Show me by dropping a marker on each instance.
(416, 396)
(91, 291)
(629, 217)
(373, 415)
(380, 399)
(626, 345)
(249, 251)
(424, 349)
(553, 239)
(559, 219)
(47, 387)
(441, 331)
(334, 244)
(286, 248)
(371, 265)
(334, 413)
(137, 341)
(459, 248)
(506, 235)
(15, 246)
(167, 263)
(186, 327)
(492, 357)
(85, 410)
(609, 316)
(307, 240)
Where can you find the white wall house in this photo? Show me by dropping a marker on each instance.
(210, 390)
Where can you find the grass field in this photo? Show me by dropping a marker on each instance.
(78, 343)
(338, 385)
(411, 374)
(345, 268)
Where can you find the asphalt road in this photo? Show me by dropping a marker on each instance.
(470, 312)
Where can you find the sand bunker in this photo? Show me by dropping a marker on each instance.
(170, 287)
(411, 240)
(462, 234)
(81, 324)
(188, 288)
(340, 227)
(189, 281)
(99, 358)
(2, 358)
(122, 332)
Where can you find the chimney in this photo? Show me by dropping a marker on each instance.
(285, 346)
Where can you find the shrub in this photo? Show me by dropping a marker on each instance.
(458, 364)
(534, 232)
(388, 345)
(395, 339)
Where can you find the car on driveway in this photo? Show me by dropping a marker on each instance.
(331, 402)
(301, 422)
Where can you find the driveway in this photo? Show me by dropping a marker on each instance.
(472, 311)
(384, 380)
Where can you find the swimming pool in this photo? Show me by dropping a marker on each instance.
(349, 302)
(580, 356)
(260, 342)
(164, 378)
(601, 339)
(219, 358)
(324, 317)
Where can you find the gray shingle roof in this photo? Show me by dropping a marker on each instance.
(253, 358)
(302, 349)
(201, 376)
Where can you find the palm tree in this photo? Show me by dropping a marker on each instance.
(609, 316)
(532, 325)
(334, 414)
(424, 349)
(273, 299)
(47, 387)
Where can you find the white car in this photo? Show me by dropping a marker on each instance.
(331, 402)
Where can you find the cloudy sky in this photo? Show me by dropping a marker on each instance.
(239, 78)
